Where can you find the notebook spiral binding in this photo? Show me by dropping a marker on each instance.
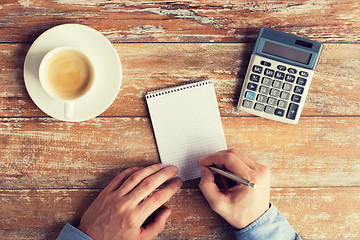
(178, 88)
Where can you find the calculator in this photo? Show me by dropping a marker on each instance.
(279, 75)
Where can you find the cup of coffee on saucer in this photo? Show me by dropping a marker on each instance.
(67, 75)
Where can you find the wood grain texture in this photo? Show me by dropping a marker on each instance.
(152, 66)
(44, 153)
(41, 214)
(183, 21)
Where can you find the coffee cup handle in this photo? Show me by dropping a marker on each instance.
(69, 110)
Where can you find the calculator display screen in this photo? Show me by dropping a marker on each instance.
(286, 52)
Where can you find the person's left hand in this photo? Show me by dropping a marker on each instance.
(122, 207)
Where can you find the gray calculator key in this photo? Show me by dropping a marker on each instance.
(264, 90)
(285, 95)
(259, 107)
(261, 98)
(276, 84)
(282, 104)
(266, 81)
(272, 101)
(274, 92)
(287, 87)
(247, 104)
(269, 110)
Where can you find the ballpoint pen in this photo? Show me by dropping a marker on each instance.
(232, 176)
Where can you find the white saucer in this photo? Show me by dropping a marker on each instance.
(108, 72)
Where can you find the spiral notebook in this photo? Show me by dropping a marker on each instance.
(187, 125)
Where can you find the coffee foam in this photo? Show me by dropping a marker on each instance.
(69, 74)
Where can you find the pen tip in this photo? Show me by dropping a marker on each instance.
(254, 186)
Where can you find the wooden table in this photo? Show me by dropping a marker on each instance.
(52, 170)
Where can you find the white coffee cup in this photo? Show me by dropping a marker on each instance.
(67, 75)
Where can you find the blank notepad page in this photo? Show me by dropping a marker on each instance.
(187, 125)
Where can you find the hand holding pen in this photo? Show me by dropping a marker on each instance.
(239, 205)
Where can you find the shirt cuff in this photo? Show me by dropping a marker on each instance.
(271, 225)
(70, 232)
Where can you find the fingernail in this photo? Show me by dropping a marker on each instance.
(178, 181)
(173, 167)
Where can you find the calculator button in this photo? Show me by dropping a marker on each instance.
(279, 112)
(285, 95)
(290, 78)
(259, 107)
(299, 90)
(274, 92)
(292, 70)
(252, 86)
(261, 98)
(269, 110)
(287, 87)
(276, 84)
(303, 74)
(250, 95)
(264, 90)
(296, 98)
(269, 72)
(279, 75)
(247, 104)
(271, 101)
(254, 77)
(301, 81)
(264, 63)
(293, 108)
(257, 69)
(282, 104)
(281, 67)
(266, 81)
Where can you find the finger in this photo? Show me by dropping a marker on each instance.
(148, 185)
(135, 178)
(243, 157)
(120, 178)
(210, 190)
(154, 228)
(230, 161)
(156, 200)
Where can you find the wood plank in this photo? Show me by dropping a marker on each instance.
(43, 153)
(153, 66)
(183, 21)
(315, 213)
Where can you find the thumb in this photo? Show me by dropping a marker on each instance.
(154, 228)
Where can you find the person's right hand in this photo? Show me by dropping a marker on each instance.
(239, 205)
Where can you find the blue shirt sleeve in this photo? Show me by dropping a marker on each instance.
(70, 232)
(271, 225)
